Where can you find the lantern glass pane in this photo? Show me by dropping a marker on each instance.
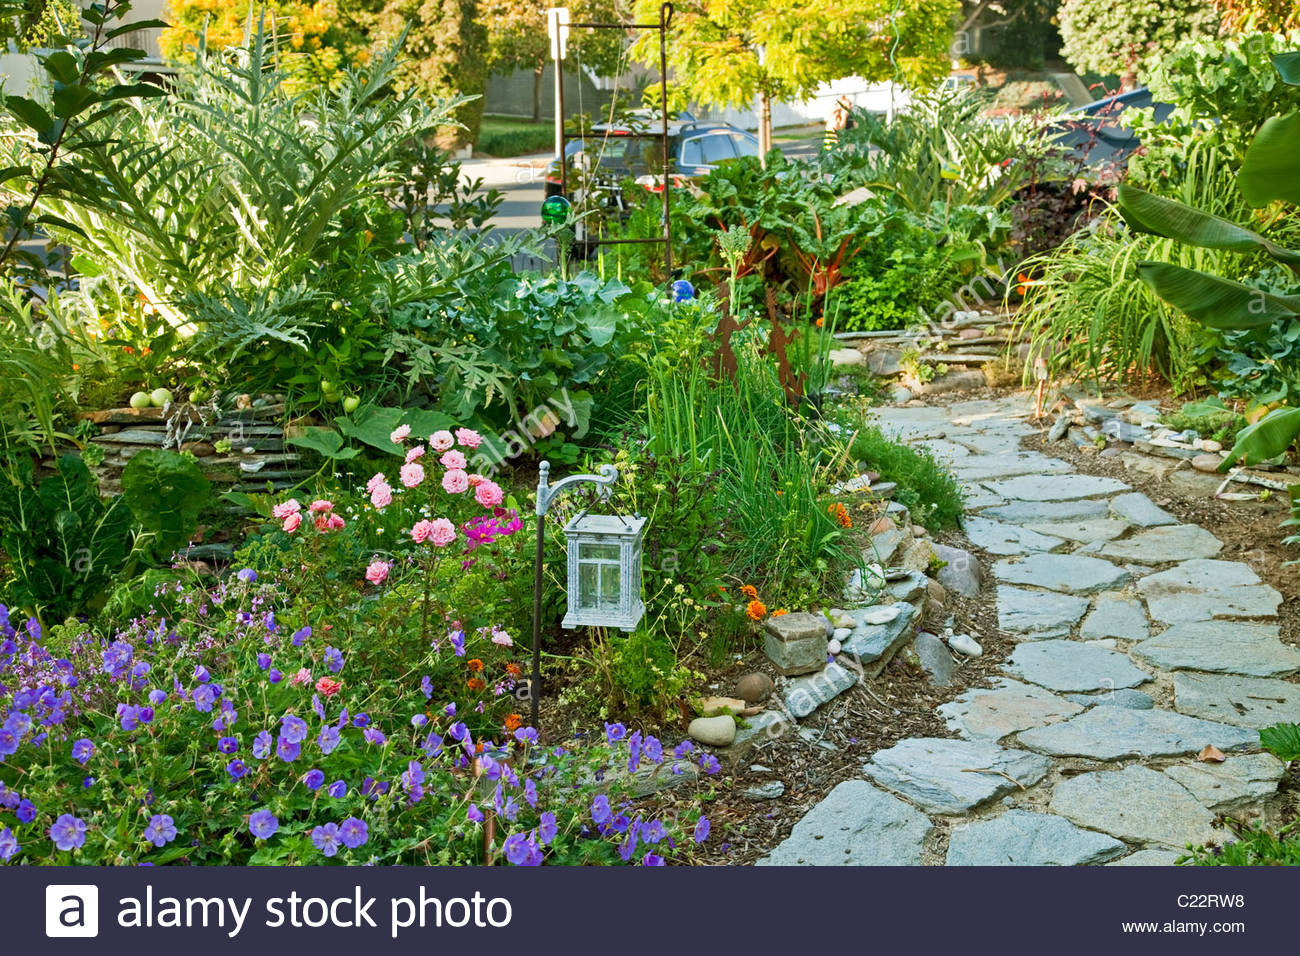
(599, 576)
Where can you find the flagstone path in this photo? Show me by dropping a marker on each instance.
(1137, 647)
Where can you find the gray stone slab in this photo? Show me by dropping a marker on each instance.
(935, 658)
(1204, 589)
(1115, 616)
(1252, 702)
(995, 537)
(1029, 512)
(961, 571)
(1178, 542)
(884, 546)
(993, 412)
(1006, 708)
(1134, 804)
(1224, 647)
(1021, 838)
(795, 643)
(1231, 784)
(1038, 614)
(952, 776)
(1055, 487)
(1086, 530)
(1136, 508)
(981, 467)
(999, 441)
(1073, 666)
(855, 825)
(805, 694)
(1071, 573)
(1123, 697)
(1152, 856)
(943, 449)
(1108, 733)
(871, 642)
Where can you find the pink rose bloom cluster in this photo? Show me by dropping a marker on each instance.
(455, 481)
(291, 513)
(412, 475)
(440, 531)
(377, 571)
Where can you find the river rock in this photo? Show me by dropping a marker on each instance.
(770, 790)
(713, 731)
(754, 688)
(1208, 463)
(960, 572)
(717, 706)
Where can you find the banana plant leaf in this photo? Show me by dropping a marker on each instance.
(1271, 169)
(1214, 301)
(1267, 438)
(1146, 212)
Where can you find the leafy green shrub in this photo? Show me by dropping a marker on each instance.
(1209, 419)
(165, 492)
(1109, 39)
(502, 138)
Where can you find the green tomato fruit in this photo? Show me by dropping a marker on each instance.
(140, 400)
(198, 396)
(160, 397)
(326, 387)
(351, 404)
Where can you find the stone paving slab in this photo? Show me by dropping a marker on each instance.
(953, 776)
(981, 467)
(1134, 804)
(806, 694)
(1253, 702)
(1136, 508)
(871, 642)
(1020, 838)
(1073, 666)
(1037, 615)
(1006, 708)
(856, 825)
(1204, 589)
(1225, 647)
(1152, 856)
(1115, 616)
(1029, 512)
(1071, 573)
(998, 538)
(1179, 542)
(1123, 697)
(1085, 530)
(1229, 785)
(1108, 733)
(1055, 487)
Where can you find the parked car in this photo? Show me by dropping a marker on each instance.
(1096, 132)
(619, 152)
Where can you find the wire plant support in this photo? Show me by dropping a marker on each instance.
(559, 27)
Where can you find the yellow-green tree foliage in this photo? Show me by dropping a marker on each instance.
(301, 26)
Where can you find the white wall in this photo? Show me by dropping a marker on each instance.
(882, 98)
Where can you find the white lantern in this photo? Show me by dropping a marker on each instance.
(604, 571)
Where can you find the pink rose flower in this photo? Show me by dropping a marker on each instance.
(489, 494)
(328, 686)
(476, 479)
(336, 523)
(302, 677)
(421, 532)
(290, 507)
(414, 453)
(453, 459)
(375, 481)
(292, 522)
(441, 441)
(455, 481)
(399, 434)
(442, 532)
(412, 474)
(382, 495)
(468, 438)
(377, 571)
(320, 505)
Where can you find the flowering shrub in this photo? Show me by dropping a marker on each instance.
(348, 705)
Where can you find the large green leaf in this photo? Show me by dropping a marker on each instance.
(372, 424)
(1288, 67)
(325, 442)
(1271, 169)
(165, 491)
(1282, 741)
(1214, 301)
(1145, 212)
(1267, 438)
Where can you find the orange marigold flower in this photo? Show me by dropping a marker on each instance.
(779, 611)
(750, 592)
(475, 683)
(820, 322)
(840, 514)
(474, 664)
(513, 723)
(514, 670)
(756, 610)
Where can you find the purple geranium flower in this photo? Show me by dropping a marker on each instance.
(474, 814)
(374, 736)
(8, 844)
(274, 676)
(293, 729)
(328, 740)
(353, 832)
(327, 839)
(333, 659)
(263, 824)
(600, 810)
(547, 829)
(236, 769)
(68, 833)
(314, 779)
(262, 745)
(287, 750)
(338, 790)
(161, 830)
(702, 830)
(82, 750)
(614, 732)
(26, 811)
(247, 575)
(227, 745)
(300, 636)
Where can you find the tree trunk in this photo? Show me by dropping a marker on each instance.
(538, 71)
(764, 126)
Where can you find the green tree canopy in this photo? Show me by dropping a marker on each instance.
(726, 53)
(1124, 39)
